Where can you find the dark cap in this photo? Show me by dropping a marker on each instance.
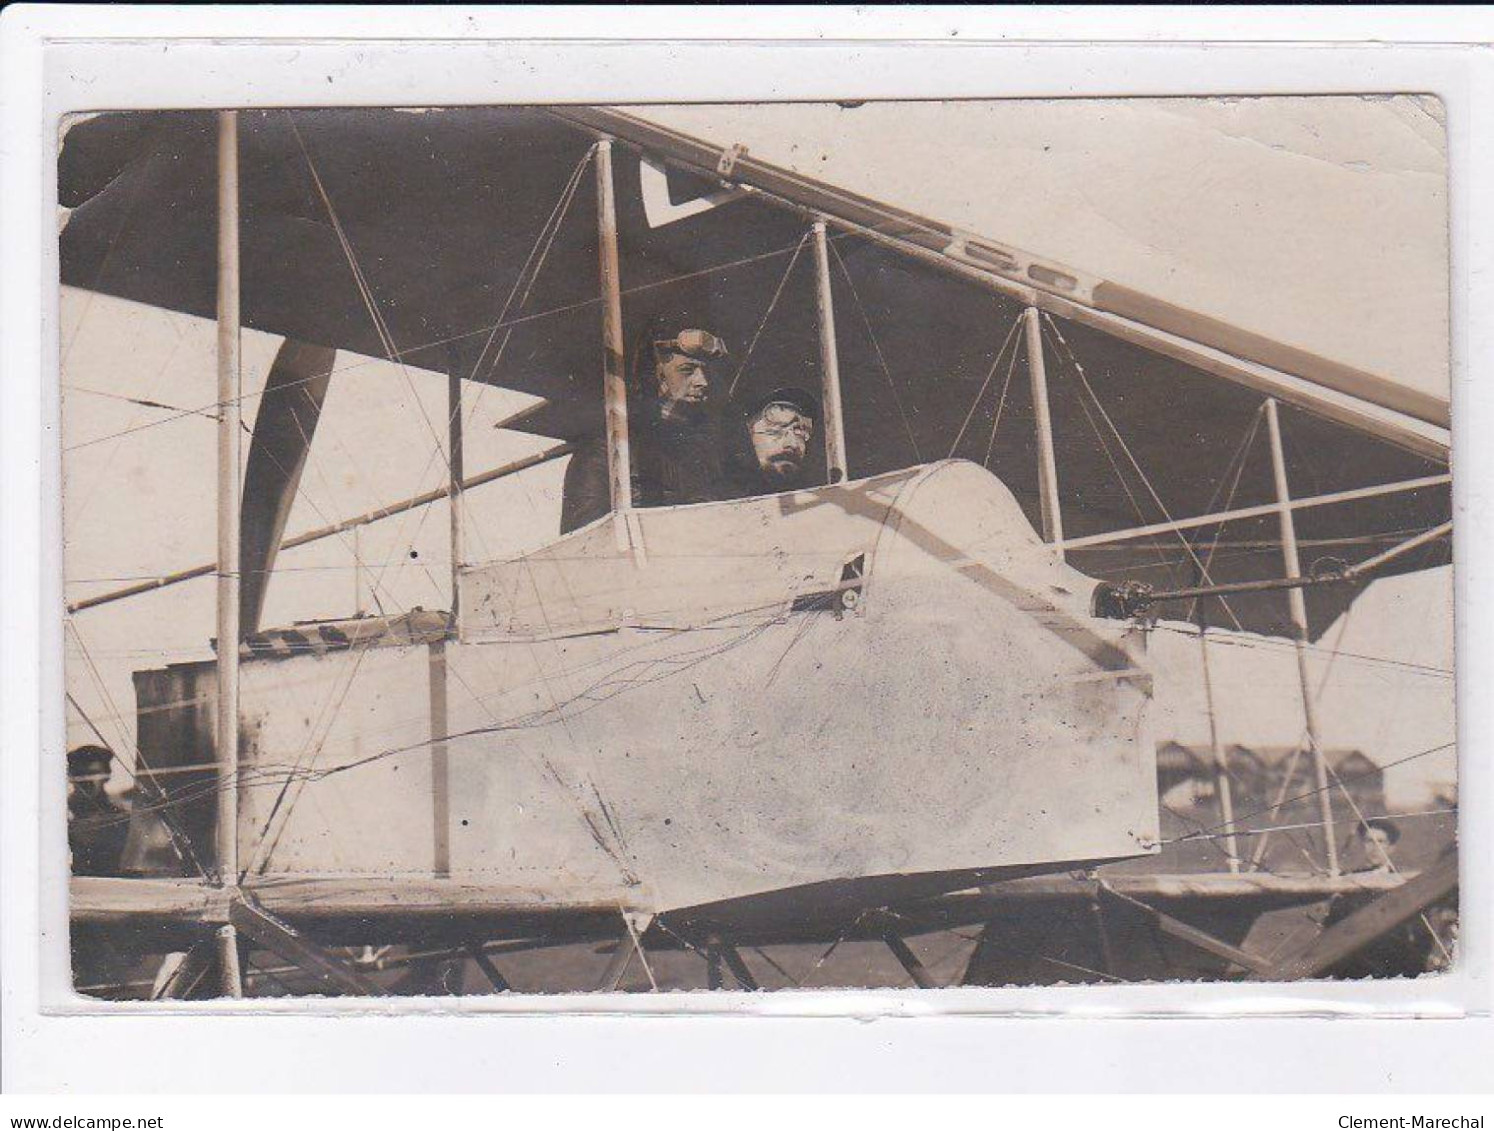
(1384, 824)
(86, 761)
(805, 402)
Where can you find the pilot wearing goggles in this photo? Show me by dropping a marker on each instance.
(674, 424)
(778, 431)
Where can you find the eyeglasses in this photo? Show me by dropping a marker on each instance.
(779, 420)
(693, 343)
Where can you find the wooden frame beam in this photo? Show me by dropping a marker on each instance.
(331, 531)
(489, 969)
(1192, 936)
(1365, 925)
(186, 975)
(909, 961)
(280, 938)
(1262, 511)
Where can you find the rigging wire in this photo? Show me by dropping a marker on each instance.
(365, 291)
(877, 349)
(1241, 455)
(1196, 611)
(181, 843)
(1006, 384)
(609, 684)
(73, 515)
(986, 384)
(545, 243)
(137, 193)
(1405, 759)
(517, 320)
(537, 257)
(1210, 556)
(539, 254)
(1251, 640)
(1145, 480)
(1204, 835)
(768, 313)
(1389, 863)
(1125, 486)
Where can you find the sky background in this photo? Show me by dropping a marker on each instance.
(1318, 221)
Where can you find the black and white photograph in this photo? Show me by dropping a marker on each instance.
(760, 547)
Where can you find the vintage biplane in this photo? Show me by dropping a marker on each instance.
(910, 698)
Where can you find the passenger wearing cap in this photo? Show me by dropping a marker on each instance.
(96, 826)
(1378, 836)
(772, 446)
(674, 427)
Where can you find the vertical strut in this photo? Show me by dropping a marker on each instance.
(229, 482)
(440, 762)
(1298, 607)
(454, 487)
(230, 976)
(614, 382)
(1221, 765)
(834, 420)
(1037, 372)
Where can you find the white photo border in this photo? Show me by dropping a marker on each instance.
(58, 61)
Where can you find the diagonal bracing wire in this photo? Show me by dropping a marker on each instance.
(1141, 474)
(365, 291)
(180, 841)
(313, 746)
(768, 313)
(986, 384)
(411, 351)
(1006, 384)
(877, 349)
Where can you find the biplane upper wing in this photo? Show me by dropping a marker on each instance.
(464, 240)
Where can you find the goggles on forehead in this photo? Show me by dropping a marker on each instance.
(693, 343)
(782, 418)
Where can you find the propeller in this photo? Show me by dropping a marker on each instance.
(283, 429)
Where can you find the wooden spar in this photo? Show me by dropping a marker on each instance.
(733, 959)
(1047, 464)
(1140, 597)
(909, 961)
(614, 380)
(454, 487)
(833, 420)
(1221, 517)
(489, 969)
(1297, 605)
(180, 974)
(1366, 924)
(348, 909)
(421, 500)
(229, 480)
(1192, 936)
(285, 941)
(1402, 548)
(617, 965)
